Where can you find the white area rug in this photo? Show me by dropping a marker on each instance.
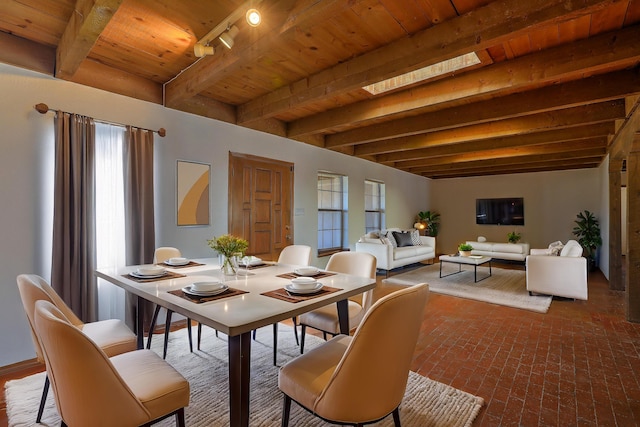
(504, 287)
(426, 402)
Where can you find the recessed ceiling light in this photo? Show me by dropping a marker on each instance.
(253, 17)
(428, 72)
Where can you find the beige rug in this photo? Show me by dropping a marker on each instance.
(504, 287)
(426, 402)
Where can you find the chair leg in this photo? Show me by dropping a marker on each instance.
(324, 335)
(275, 344)
(167, 328)
(152, 326)
(396, 417)
(295, 329)
(254, 334)
(303, 331)
(43, 399)
(189, 333)
(199, 334)
(286, 409)
(180, 418)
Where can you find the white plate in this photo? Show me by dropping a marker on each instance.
(475, 256)
(252, 261)
(302, 272)
(293, 290)
(185, 262)
(187, 290)
(147, 276)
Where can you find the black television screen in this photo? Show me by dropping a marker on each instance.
(508, 211)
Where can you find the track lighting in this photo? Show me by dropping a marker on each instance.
(201, 50)
(253, 17)
(227, 37)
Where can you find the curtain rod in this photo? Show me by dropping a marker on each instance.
(44, 108)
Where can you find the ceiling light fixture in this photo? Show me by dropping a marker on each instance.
(227, 37)
(253, 17)
(201, 50)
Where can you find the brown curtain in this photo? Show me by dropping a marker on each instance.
(138, 207)
(73, 252)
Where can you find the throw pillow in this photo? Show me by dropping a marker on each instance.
(403, 239)
(386, 241)
(392, 240)
(415, 238)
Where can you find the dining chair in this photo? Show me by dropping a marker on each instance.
(112, 335)
(359, 379)
(131, 389)
(298, 255)
(325, 318)
(161, 255)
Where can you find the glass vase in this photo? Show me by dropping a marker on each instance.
(229, 265)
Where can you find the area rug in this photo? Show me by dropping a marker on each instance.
(504, 287)
(426, 402)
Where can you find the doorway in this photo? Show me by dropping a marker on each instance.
(260, 203)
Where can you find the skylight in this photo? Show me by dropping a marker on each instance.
(428, 72)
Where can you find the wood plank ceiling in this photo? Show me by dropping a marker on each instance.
(556, 80)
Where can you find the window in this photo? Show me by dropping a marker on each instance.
(374, 219)
(332, 212)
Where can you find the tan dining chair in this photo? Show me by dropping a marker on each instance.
(295, 255)
(359, 379)
(325, 318)
(131, 389)
(161, 255)
(113, 336)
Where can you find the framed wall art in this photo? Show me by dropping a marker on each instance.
(192, 193)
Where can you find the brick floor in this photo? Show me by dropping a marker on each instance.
(577, 365)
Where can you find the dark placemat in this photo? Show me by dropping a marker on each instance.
(190, 264)
(253, 267)
(283, 295)
(199, 300)
(168, 275)
(320, 275)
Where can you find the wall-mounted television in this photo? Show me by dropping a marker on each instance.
(505, 211)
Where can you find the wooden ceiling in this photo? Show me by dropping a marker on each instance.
(558, 79)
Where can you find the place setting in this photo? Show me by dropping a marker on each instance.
(150, 273)
(180, 262)
(301, 289)
(251, 262)
(309, 271)
(200, 292)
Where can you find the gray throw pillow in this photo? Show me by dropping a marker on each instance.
(403, 239)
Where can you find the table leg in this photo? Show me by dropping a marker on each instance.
(239, 377)
(140, 322)
(343, 316)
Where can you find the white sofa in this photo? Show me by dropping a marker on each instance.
(563, 275)
(507, 251)
(389, 257)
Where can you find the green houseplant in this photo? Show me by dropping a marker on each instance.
(431, 220)
(465, 249)
(513, 237)
(228, 246)
(587, 231)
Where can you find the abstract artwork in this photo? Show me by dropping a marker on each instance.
(192, 189)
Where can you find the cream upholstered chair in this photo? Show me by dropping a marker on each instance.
(130, 389)
(325, 318)
(161, 255)
(362, 378)
(112, 335)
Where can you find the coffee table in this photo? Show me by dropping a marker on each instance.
(474, 260)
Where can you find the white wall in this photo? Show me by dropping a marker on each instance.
(551, 202)
(26, 167)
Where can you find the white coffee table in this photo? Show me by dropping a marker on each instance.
(474, 260)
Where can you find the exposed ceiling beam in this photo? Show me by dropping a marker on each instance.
(565, 62)
(477, 30)
(525, 167)
(88, 20)
(26, 54)
(593, 89)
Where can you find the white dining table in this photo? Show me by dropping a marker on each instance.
(236, 315)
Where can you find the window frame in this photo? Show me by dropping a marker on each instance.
(342, 210)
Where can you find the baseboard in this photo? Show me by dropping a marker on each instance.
(25, 365)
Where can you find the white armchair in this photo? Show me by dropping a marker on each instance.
(564, 275)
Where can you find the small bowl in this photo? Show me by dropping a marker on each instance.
(206, 286)
(307, 271)
(303, 283)
(178, 261)
(150, 270)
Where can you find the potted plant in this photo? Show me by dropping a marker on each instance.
(587, 231)
(465, 249)
(229, 247)
(431, 221)
(513, 237)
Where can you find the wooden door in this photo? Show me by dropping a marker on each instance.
(260, 203)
